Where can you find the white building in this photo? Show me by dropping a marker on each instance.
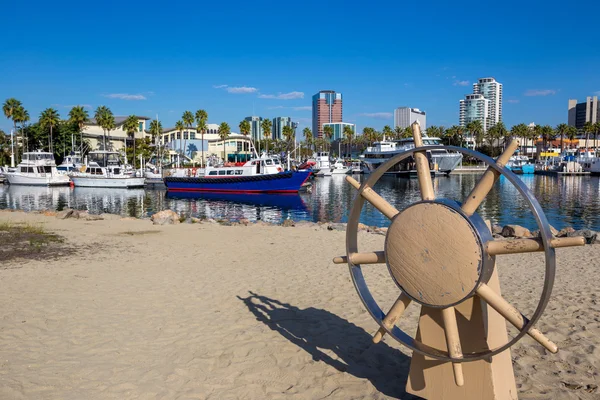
(405, 116)
(279, 123)
(470, 108)
(115, 138)
(338, 129)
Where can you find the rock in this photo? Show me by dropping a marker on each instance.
(111, 217)
(496, 230)
(49, 213)
(363, 227)
(288, 223)
(195, 220)
(515, 231)
(589, 235)
(129, 219)
(224, 222)
(380, 231)
(336, 227)
(91, 217)
(211, 221)
(244, 221)
(565, 232)
(165, 217)
(64, 214)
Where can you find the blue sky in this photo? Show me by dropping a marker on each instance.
(161, 58)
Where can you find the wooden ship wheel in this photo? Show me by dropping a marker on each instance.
(441, 255)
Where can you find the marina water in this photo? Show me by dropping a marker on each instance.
(567, 201)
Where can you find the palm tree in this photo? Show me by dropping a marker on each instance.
(22, 116)
(188, 120)
(349, 135)
(131, 126)
(397, 132)
(245, 129)
(266, 127)
(588, 128)
(155, 131)
(491, 135)
(387, 132)
(596, 132)
(502, 132)
(179, 126)
(475, 128)
(105, 119)
(520, 131)
(571, 134)
(78, 116)
(201, 118)
(547, 134)
(561, 129)
(49, 117)
(328, 133)
(407, 132)
(308, 137)
(10, 107)
(433, 131)
(224, 131)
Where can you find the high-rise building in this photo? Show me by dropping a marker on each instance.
(279, 123)
(487, 89)
(256, 131)
(326, 108)
(405, 116)
(580, 113)
(338, 129)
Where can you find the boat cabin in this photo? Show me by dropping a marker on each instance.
(264, 165)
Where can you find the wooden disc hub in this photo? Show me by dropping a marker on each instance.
(434, 254)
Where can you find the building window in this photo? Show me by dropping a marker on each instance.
(141, 127)
(193, 135)
(172, 137)
(239, 146)
(178, 135)
(185, 135)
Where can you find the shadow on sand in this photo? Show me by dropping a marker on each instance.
(314, 330)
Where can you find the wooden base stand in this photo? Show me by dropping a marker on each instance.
(481, 328)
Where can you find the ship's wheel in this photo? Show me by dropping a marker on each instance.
(441, 254)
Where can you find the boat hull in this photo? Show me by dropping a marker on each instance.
(284, 182)
(51, 180)
(100, 182)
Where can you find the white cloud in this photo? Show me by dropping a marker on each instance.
(241, 89)
(125, 96)
(302, 108)
(540, 92)
(378, 115)
(275, 108)
(461, 83)
(283, 96)
(219, 86)
(597, 93)
(513, 101)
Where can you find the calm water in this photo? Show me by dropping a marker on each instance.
(567, 201)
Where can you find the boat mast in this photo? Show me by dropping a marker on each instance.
(12, 149)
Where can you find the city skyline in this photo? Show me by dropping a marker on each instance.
(167, 71)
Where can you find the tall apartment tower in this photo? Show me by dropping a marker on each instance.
(279, 123)
(256, 132)
(580, 113)
(405, 116)
(326, 108)
(470, 108)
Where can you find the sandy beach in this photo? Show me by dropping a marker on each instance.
(124, 309)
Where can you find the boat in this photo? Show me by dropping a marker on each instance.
(262, 174)
(520, 165)
(553, 163)
(36, 169)
(322, 165)
(104, 169)
(441, 161)
(338, 168)
(2, 177)
(356, 167)
(71, 162)
(591, 165)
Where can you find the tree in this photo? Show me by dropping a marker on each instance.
(433, 131)
(588, 128)
(224, 131)
(407, 132)
(475, 129)
(201, 118)
(398, 132)
(520, 131)
(561, 129)
(387, 132)
(502, 132)
(156, 131)
(349, 135)
(596, 132)
(131, 126)
(266, 127)
(328, 133)
(49, 118)
(245, 129)
(308, 137)
(188, 120)
(288, 134)
(491, 135)
(105, 119)
(179, 127)
(571, 134)
(10, 108)
(547, 134)
(21, 116)
(79, 116)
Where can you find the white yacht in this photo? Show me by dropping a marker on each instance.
(338, 168)
(38, 169)
(356, 167)
(441, 161)
(105, 169)
(322, 166)
(70, 162)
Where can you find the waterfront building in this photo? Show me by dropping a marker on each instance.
(115, 138)
(405, 116)
(580, 113)
(338, 129)
(484, 104)
(279, 123)
(256, 130)
(326, 108)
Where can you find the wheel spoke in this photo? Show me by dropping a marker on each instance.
(376, 257)
(393, 316)
(422, 164)
(513, 246)
(513, 315)
(487, 180)
(372, 197)
(453, 342)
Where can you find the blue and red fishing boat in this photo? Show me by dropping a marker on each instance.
(260, 175)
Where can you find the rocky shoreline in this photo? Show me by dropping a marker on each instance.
(169, 217)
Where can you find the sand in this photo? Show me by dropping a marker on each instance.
(203, 311)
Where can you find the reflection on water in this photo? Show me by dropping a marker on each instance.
(567, 201)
